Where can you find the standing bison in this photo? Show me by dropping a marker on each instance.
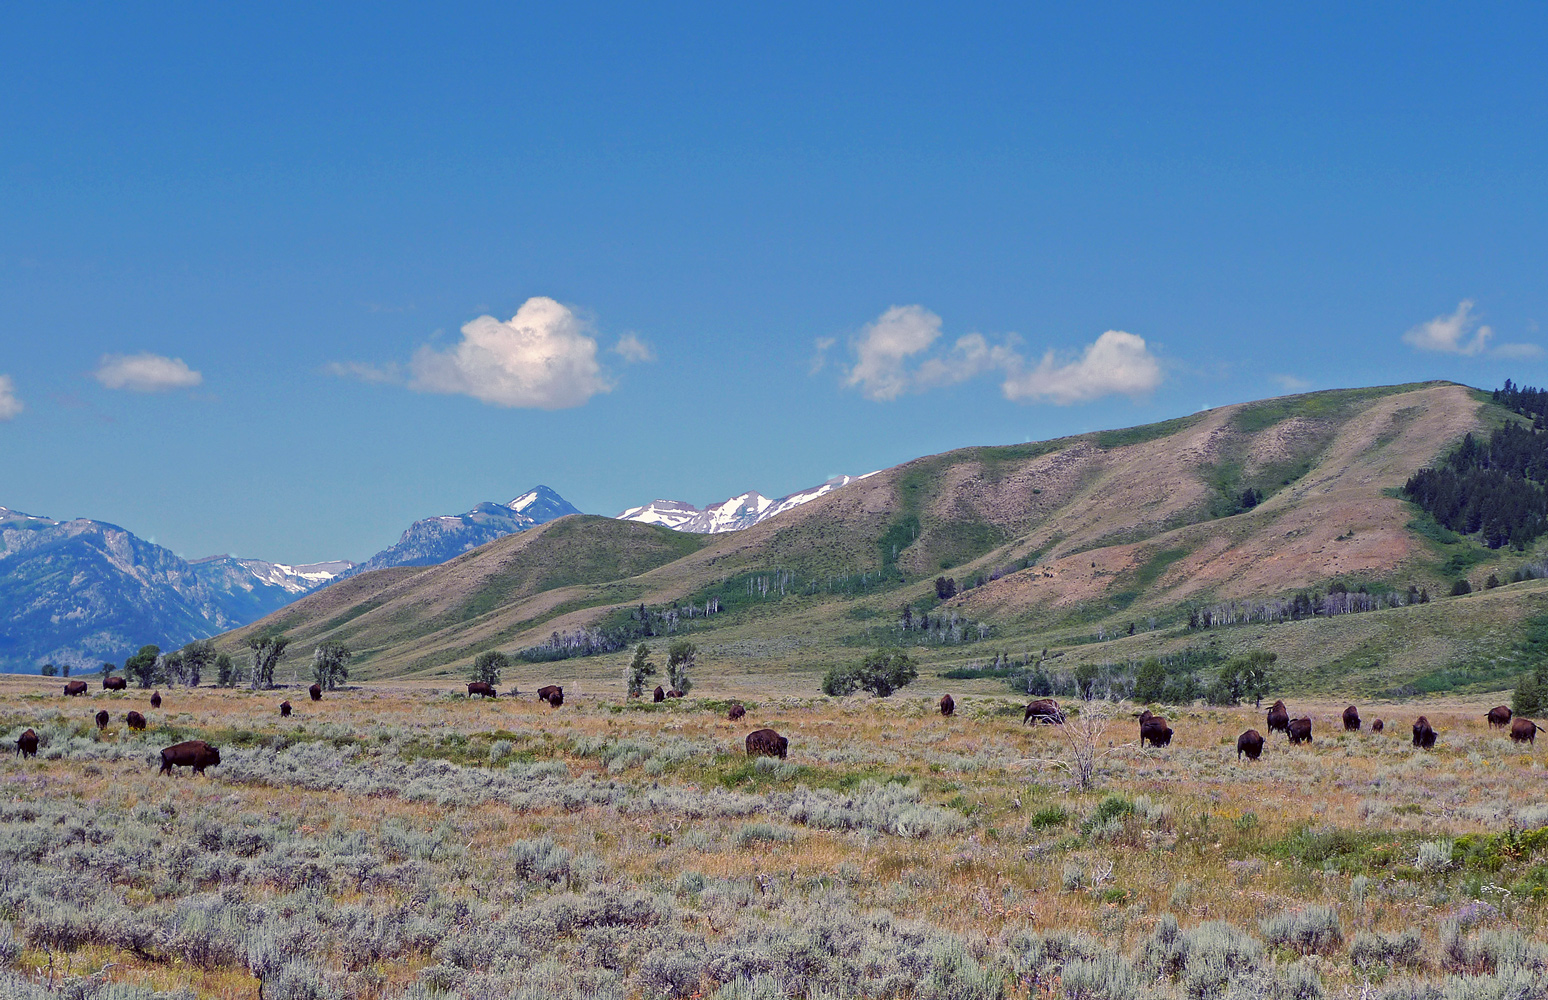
(135, 720)
(196, 754)
(1279, 718)
(483, 689)
(1249, 743)
(736, 711)
(551, 693)
(1299, 730)
(1154, 728)
(1525, 731)
(1499, 716)
(660, 694)
(74, 688)
(1043, 710)
(949, 706)
(315, 691)
(1351, 719)
(284, 709)
(155, 699)
(1378, 726)
(114, 684)
(1424, 734)
(27, 744)
(767, 743)
(102, 719)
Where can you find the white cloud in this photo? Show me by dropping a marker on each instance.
(541, 358)
(883, 348)
(971, 355)
(10, 406)
(1450, 334)
(821, 346)
(1292, 383)
(364, 371)
(145, 373)
(633, 349)
(1117, 363)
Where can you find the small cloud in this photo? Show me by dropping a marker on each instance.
(10, 406)
(1517, 351)
(971, 355)
(364, 371)
(1117, 363)
(633, 350)
(883, 348)
(1292, 383)
(1458, 333)
(820, 358)
(145, 373)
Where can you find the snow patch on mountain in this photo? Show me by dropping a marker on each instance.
(739, 512)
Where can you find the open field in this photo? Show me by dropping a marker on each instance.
(399, 840)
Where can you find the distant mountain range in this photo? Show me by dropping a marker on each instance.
(739, 512)
(435, 540)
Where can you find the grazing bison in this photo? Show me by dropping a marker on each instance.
(767, 743)
(482, 688)
(284, 709)
(27, 744)
(1299, 730)
(660, 693)
(1351, 718)
(114, 684)
(1279, 718)
(1154, 728)
(1043, 710)
(736, 712)
(1500, 716)
(102, 719)
(315, 691)
(674, 693)
(1424, 734)
(948, 706)
(1525, 731)
(135, 720)
(196, 754)
(155, 699)
(1249, 743)
(553, 694)
(74, 688)
(1378, 726)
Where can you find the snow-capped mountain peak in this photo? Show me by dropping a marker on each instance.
(741, 511)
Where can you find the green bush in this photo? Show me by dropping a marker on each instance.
(883, 672)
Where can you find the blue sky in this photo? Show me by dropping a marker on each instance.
(245, 257)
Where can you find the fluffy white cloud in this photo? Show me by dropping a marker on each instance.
(633, 350)
(1458, 333)
(145, 373)
(883, 348)
(1117, 363)
(10, 406)
(541, 358)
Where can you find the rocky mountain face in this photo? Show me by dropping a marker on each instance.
(435, 540)
(82, 592)
(735, 514)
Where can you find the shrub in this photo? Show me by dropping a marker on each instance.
(1314, 928)
(1434, 856)
(487, 666)
(1375, 948)
(882, 672)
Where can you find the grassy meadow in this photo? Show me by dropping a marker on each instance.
(400, 840)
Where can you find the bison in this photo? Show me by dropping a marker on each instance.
(660, 694)
(1043, 710)
(736, 711)
(948, 706)
(1424, 734)
(27, 744)
(1351, 719)
(1279, 718)
(767, 743)
(1499, 716)
(155, 699)
(1378, 726)
(1300, 730)
(102, 719)
(196, 754)
(74, 688)
(315, 691)
(551, 693)
(1249, 743)
(1154, 728)
(135, 720)
(674, 693)
(1525, 731)
(284, 709)
(114, 684)
(483, 689)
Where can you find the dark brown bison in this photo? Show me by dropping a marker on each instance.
(1424, 734)
(483, 689)
(284, 709)
(315, 691)
(1249, 743)
(736, 712)
(155, 699)
(135, 720)
(114, 684)
(1279, 718)
(767, 743)
(102, 719)
(1378, 726)
(949, 706)
(674, 693)
(553, 694)
(1043, 710)
(1500, 716)
(1525, 731)
(1154, 728)
(1299, 730)
(196, 754)
(1351, 718)
(660, 694)
(27, 744)
(74, 688)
